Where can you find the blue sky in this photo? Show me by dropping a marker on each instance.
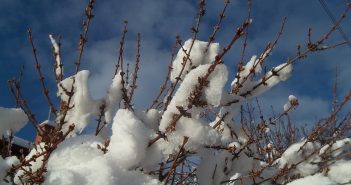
(159, 21)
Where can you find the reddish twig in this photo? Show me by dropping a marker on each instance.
(41, 77)
(173, 167)
(195, 31)
(84, 36)
(217, 26)
(135, 73)
(164, 85)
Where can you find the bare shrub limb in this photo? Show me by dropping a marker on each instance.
(217, 26)
(120, 50)
(84, 35)
(195, 31)
(41, 77)
(164, 85)
(135, 73)
(21, 102)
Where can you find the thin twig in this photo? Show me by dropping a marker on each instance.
(195, 31)
(172, 169)
(164, 85)
(41, 77)
(84, 36)
(217, 26)
(135, 73)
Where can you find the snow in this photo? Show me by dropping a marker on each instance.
(247, 72)
(155, 154)
(56, 47)
(18, 141)
(234, 178)
(198, 56)
(292, 101)
(54, 44)
(245, 83)
(340, 172)
(218, 78)
(213, 92)
(199, 133)
(217, 166)
(253, 65)
(21, 142)
(6, 164)
(292, 98)
(337, 148)
(338, 169)
(283, 72)
(150, 118)
(129, 139)
(34, 165)
(299, 152)
(113, 97)
(83, 107)
(12, 119)
(228, 125)
(78, 161)
(207, 172)
(317, 179)
(47, 122)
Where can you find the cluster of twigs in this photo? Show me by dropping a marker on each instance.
(52, 137)
(178, 168)
(283, 135)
